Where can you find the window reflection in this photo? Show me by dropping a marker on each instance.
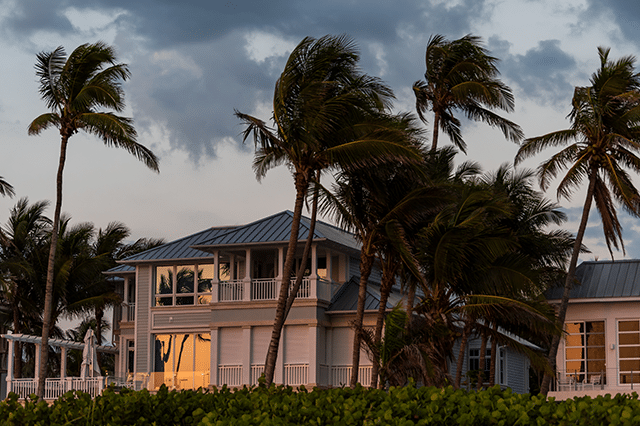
(180, 285)
(181, 361)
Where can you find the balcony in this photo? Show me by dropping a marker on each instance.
(570, 384)
(269, 289)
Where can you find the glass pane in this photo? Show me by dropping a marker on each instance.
(629, 338)
(628, 326)
(574, 366)
(574, 353)
(184, 300)
(630, 352)
(596, 366)
(185, 279)
(595, 340)
(204, 299)
(164, 301)
(205, 276)
(164, 284)
(574, 327)
(595, 353)
(629, 378)
(202, 360)
(575, 340)
(595, 327)
(630, 365)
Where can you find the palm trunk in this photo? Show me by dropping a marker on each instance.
(302, 184)
(436, 125)
(17, 355)
(366, 264)
(463, 347)
(481, 361)
(388, 275)
(494, 349)
(411, 296)
(99, 314)
(48, 295)
(568, 284)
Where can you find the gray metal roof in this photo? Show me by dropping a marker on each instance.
(179, 249)
(604, 279)
(121, 269)
(347, 297)
(277, 229)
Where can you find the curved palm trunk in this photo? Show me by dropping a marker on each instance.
(388, 276)
(463, 347)
(494, 357)
(302, 184)
(366, 264)
(436, 129)
(481, 362)
(411, 297)
(568, 284)
(99, 313)
(48, 295)
(17, 355)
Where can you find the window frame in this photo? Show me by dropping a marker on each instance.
(174, 295)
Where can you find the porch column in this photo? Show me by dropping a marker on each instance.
(232, 267)
(213, 360)
(329, 278)
(280, 278)
(10, 355)
(313, 277)
(63, 362)
(314, 356)
(246, 355)
(246, 293)
(37, 363)
(216, 277)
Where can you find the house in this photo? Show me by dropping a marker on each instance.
(600, 352)
(198, 311)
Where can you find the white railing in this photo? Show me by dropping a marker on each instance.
(229, 291)
(296, 374)
(230, 375)
(341, 375)
(265, 289)
(327, 288)
(131, 312)
(256, 372)
(56, 387)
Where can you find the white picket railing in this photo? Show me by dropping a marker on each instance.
(265, 289)
(256, 372)
(230, 375)
(341, 375)
(131, 312)
(269, 289)
(229, 291)
(56, 387)
(296, 374)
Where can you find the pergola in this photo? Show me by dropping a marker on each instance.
(54, 387)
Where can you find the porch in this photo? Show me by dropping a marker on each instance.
(54, 387)
(572, 384)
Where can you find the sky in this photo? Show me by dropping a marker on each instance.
(193, 62)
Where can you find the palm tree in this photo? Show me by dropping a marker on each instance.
(461, 75)
(605, 133)
(5, 188)
(327, 114)
(21, 240)
(73, 89)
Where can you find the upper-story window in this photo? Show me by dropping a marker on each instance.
(181, 285)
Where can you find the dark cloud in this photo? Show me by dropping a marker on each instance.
(543, 73)
(625, 12)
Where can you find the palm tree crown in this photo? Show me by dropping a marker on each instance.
(461, 75)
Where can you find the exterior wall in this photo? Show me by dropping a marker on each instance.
(144, 278)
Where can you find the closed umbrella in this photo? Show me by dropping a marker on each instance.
(89, 366)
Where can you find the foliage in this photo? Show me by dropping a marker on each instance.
(342, 406)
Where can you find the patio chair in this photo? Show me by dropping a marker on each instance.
(566, 383)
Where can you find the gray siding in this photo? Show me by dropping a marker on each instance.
(193, 319)
(517, 371)
(143, 303)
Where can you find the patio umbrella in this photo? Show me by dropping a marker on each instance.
(90, 366)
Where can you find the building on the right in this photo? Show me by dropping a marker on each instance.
(600, 350)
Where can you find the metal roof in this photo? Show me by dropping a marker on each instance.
(178, 249)
(604, 279)
(277, 229)
(121, 269)
(347, 297)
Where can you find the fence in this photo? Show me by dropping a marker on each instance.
(56, 387)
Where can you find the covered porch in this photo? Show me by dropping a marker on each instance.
(54, 387)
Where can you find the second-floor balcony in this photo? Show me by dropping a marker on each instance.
(269, 289)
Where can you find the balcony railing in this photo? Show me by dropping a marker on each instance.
(56, 387)
(269, 289)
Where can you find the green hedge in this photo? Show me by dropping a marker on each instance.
(284, 406)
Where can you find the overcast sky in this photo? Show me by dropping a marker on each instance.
(194, 61)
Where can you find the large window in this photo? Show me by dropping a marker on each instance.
(180, 285)
(629, 351)
(474, 364)
(585, 350)
(182, 361)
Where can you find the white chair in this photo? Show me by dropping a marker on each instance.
(566, 383)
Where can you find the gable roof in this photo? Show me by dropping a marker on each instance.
(277, 229)
(346, 299)
(603, 279)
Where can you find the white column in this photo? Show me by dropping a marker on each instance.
(279, 278)
(216, 277)
(314, 346)
(10, 364)
(37, 366)
(246, 355)
(63, 362)
(329, 265)
(313, 277)
(246, 291)
(213, 361)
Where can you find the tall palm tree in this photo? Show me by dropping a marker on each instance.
(74, 88)
(461, 75)
(326, 114)
(603, 142)
(5, 188)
